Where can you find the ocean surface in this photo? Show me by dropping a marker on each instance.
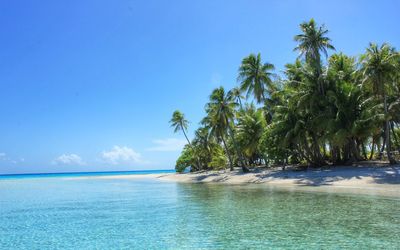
(79, 211)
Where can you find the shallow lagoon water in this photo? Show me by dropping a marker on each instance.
(97, 213)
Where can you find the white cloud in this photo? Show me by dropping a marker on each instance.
(121, 155)
(167, 145)
(4, 157)
(68, 159)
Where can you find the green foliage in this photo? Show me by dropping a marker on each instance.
(272, 148)
(250, 127)
(255, 77)
(312, 41)
(178, 121)
(320, 112)
(220, 114)
(185, 160)
(205, 151)
(218, 159)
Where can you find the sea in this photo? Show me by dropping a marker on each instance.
(103, 211)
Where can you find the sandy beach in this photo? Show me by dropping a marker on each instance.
(377, 180)
(374, 180)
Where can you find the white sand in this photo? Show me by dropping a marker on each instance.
(383, 181)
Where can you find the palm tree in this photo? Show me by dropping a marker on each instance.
(236, 94)
(312, 41)
(379, 66)
(294, 73)
(220, 114)
(328, 110)
(179, 123)
(255, 77)
(292, 125)
(353, 116)
(250, 128)
(202, 137)
(311, 108)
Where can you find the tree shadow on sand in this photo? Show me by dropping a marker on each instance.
(321, 177)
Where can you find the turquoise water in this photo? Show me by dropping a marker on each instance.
(83, 174)
(88, 213)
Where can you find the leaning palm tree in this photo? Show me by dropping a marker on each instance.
(255, 77)
(179, 123)
(220, 113)
(378, 68)
(311, 42)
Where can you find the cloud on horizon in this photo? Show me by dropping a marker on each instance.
(4, 157)
(122, 155)
(167, 145)
(68, 159)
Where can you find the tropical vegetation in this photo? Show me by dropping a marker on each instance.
(323, 110)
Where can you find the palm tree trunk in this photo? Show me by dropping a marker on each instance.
(355, 150)
(382, 146)
(318, 68)
(187, 139)
(316, 148)
(347, 153)
(372, 149)
(364, 151)
(338, 155)
(244, 168)
(227, 153)
(387, 133)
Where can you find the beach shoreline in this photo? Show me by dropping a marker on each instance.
(373, 180)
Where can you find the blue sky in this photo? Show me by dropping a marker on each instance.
(91, 85)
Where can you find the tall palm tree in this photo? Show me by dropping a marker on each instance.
(311, 42)
(179, 123)
(255, 77)
(220, 114)
(379, 67)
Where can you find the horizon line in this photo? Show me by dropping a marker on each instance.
(88, 172)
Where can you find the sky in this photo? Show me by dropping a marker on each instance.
(91, 85)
